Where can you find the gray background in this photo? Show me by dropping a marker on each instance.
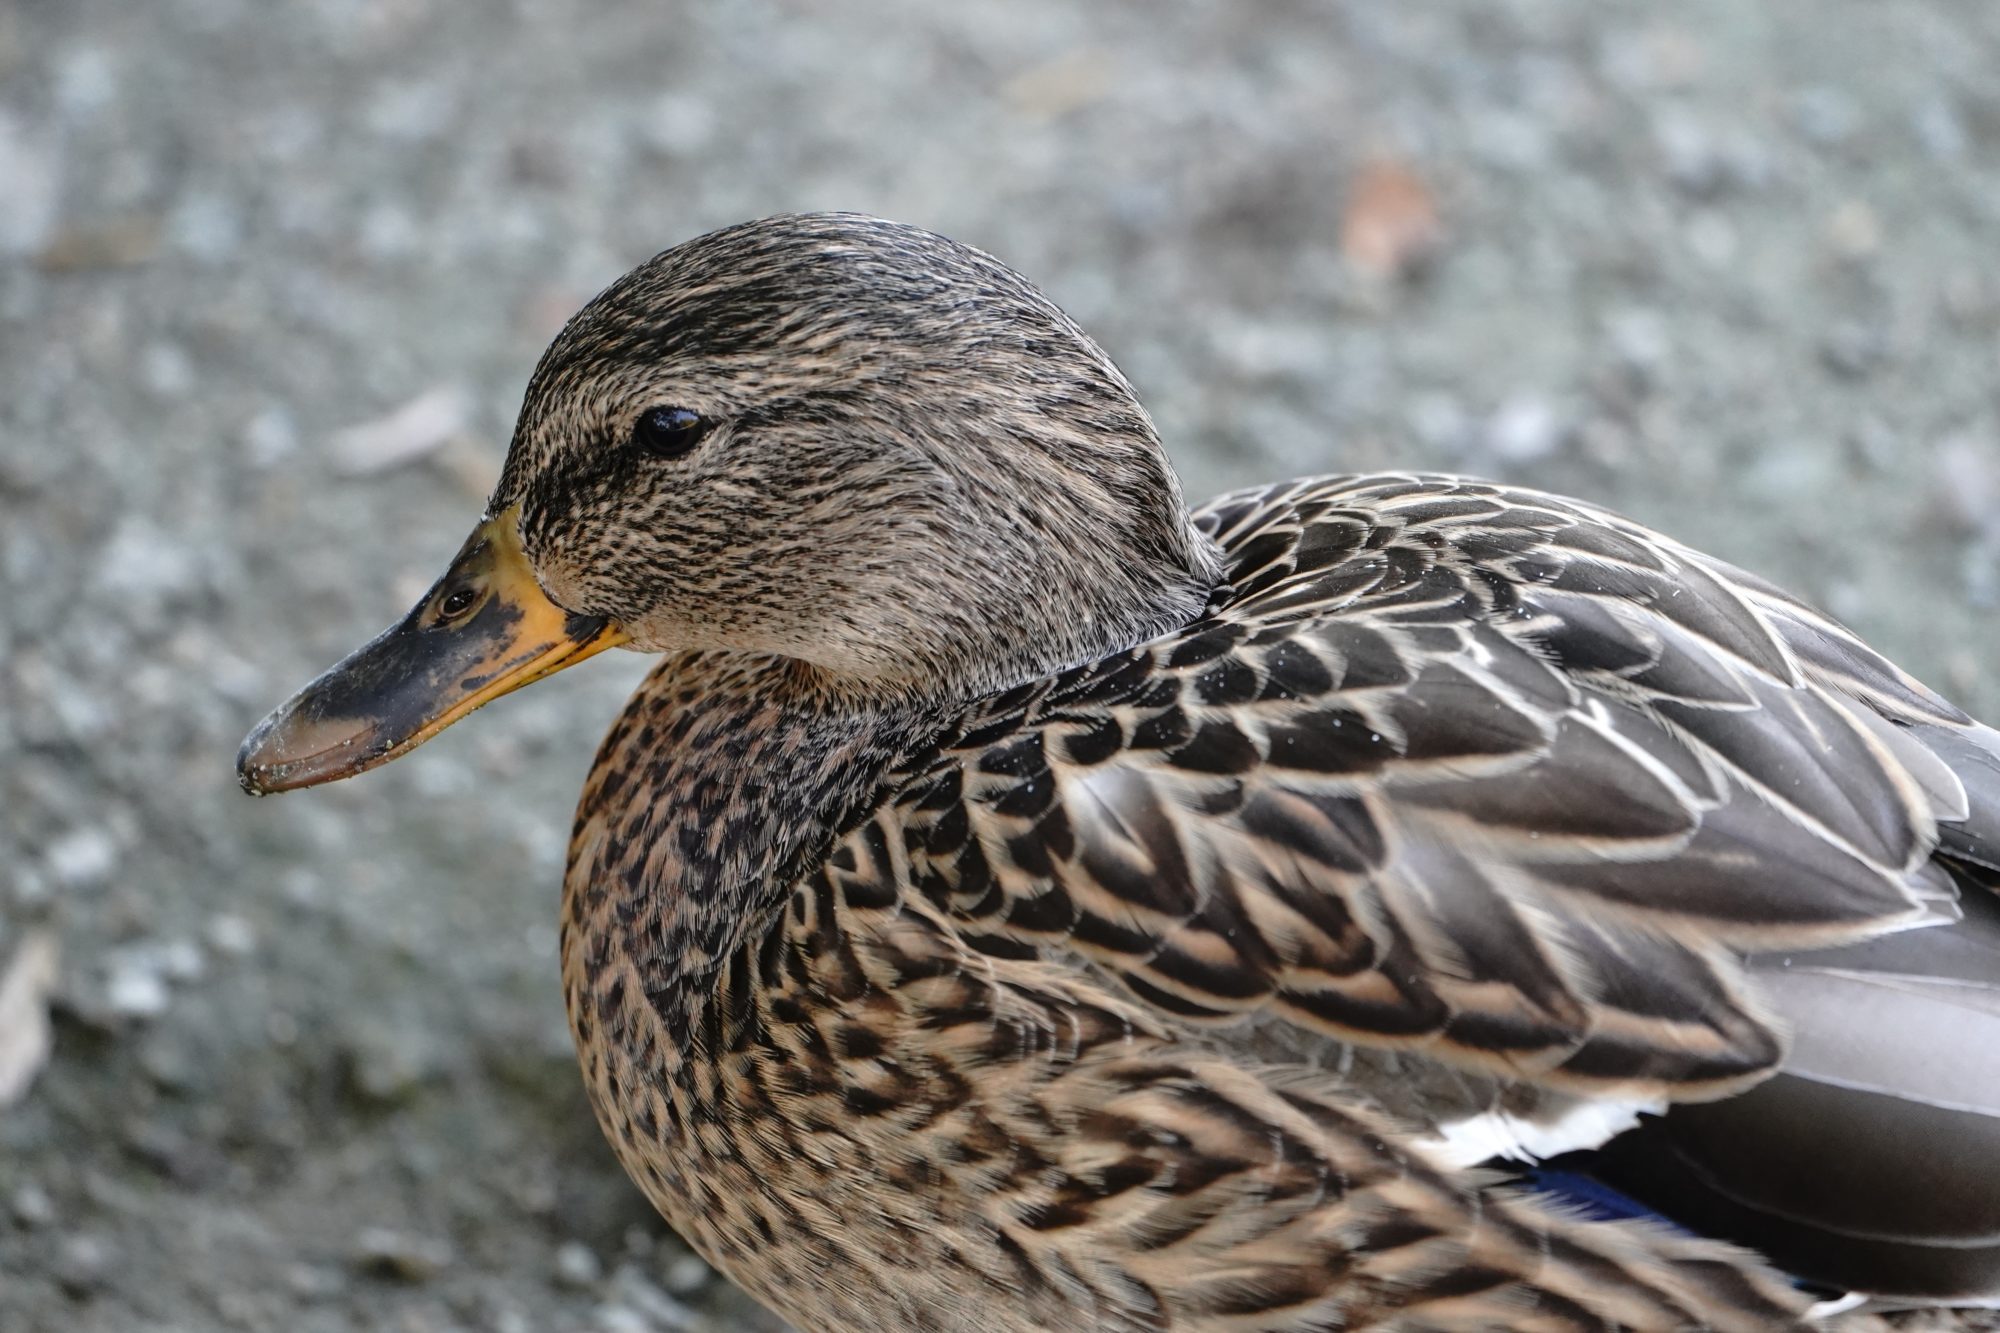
(1726, 266)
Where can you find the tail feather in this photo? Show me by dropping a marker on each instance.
(1872, 1161)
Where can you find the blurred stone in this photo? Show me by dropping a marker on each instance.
(163, 1148)
(687, 1275)
(611, 1318)
(1639, 338)
(133, 987)
(577, 1266)
(632, 1290)
(86, 81)
(1825, 116)
(270, 437)
(1980, 567)
(33, 174)
(1965, 481)
(136, 976)
(1970, 299)
(248, 1309)
(1854, 232)
(180, 960)
(83, 858)
(384, 1252)
(170, 1060)
(679, 124)
(165, 369)
(1941, 130)
(1712, 239)
(1706, 164)
(386, 1060)
(231, 935)
(1851, 350)
(144, 563)
(82, 1264)
(312, 1282)
(31, 1206)
(411, 110)
(1875, 445)
(388, 232)
(1514, 141)
(1524, 430)
(494, 1312)
(1653, 59)
(1440, 422)
(30, 890)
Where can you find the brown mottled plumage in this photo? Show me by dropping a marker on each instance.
(1015, 903)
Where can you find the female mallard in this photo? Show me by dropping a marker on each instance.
(1015, 902)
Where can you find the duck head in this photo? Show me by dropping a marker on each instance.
(827, 438)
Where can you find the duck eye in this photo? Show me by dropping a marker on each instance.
(668, 432)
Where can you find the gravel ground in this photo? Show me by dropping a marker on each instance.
(271, 280)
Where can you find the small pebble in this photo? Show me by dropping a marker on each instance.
(633, 1291)
(31, 1206)
(163, 1149)
(687, 1275)
(1852, 350)
(1854, 232)
(310, 1282)
(83, 858)
(32, 168)
(385, 1252)
(206, 226)
(134, 989)
(232, 935)
(612, 1318)
(1439, 422)
(144, 563)
(171, 1061)
(270, 437)
(1524, 430)
(1825, 116)
(82, 1264)
(1940, 130)
(387, 1061)
(577, 1266)
(166, 370)
(180, 960)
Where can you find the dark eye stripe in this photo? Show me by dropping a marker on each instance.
(668, 432)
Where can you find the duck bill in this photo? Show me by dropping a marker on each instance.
(482, 630)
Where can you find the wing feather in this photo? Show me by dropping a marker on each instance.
(1472, 770)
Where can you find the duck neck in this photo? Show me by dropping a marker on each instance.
(1061, 538)
(723, 782)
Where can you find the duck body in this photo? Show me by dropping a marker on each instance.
(1144, 995)
(1018, 902)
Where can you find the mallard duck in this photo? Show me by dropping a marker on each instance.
(1016, 902)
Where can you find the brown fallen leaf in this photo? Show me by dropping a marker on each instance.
(120, 243)
(25, 1036)
(1390, 228)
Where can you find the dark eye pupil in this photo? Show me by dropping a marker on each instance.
(456, 602)
(668, 431)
